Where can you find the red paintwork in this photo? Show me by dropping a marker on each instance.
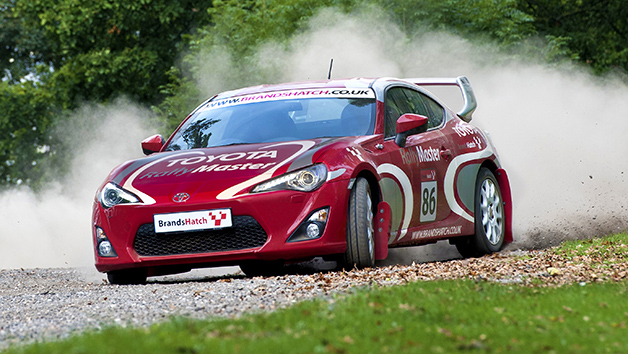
(504, 185)
(382, 230)
(222, 177)
(153, 143)
(410, 121)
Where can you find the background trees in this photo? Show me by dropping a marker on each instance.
(56, 54)
(592, 32)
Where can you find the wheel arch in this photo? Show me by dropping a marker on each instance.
(504, 186)
(376, 192)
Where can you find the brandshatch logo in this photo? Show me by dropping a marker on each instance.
(180, 197)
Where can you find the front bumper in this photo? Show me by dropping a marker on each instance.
(278, 214)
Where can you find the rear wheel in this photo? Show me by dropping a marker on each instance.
(360, 251)
(128, 276)
(489, 218)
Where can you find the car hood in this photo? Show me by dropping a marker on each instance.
(214, 173)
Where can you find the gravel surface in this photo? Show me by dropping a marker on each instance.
(38, 304)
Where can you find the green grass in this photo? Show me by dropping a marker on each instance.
(439, 317)
(607, 250)
(422, 317)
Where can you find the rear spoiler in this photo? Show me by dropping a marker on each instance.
(470, 104)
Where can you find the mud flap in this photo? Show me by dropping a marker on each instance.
(382, 228)
(504, 185)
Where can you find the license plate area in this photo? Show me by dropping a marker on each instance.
(193, 220)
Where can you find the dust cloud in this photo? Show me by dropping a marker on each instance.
(560, 133)
(52, 228)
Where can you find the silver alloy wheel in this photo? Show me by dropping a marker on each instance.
(492, 212)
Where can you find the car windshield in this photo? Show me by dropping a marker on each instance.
(229, 122)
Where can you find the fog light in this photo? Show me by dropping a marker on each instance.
(312, 227)
(312, 230)
(103, 246)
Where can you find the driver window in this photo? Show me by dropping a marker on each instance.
(436, 112)
(398, 101)
(415, 103)
(394, 107)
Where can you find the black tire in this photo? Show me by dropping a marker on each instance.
(360, 251)
(490, 220)
(262, 268)
(128, 276)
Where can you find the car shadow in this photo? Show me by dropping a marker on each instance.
(437, 252)
(202, 275)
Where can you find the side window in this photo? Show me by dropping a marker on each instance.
(436, 112)
(393, 109)
(415, 103)
(400, 100)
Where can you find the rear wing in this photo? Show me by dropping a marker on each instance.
(469, 102)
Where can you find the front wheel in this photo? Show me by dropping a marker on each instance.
(360, 251)
(489, 218)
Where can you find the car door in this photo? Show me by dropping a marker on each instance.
(424, 159)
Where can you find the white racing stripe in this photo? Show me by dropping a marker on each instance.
(128, 185)
(450, 177)
(407, 194)
(229, 193)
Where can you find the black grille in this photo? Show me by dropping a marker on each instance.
(245, 233)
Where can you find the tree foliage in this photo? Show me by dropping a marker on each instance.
(243, 25)
(103, 48)
(592, 31)
(501, 21)
(24, 141)
(22, 48)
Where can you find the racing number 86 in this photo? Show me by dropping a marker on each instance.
(428, 201)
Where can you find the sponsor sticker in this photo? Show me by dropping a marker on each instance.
(247, 160)
(292, 94)
(441, 231)
(466, 130)
(463, 129)
(417, 155)
(193, 220)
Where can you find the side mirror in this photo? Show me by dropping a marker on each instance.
(153, 144)
(409, 124)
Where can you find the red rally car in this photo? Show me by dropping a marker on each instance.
(342, 169)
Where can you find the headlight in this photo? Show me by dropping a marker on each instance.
(112, 194)
(305, 180)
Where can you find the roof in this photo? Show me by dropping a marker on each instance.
(339, 83)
